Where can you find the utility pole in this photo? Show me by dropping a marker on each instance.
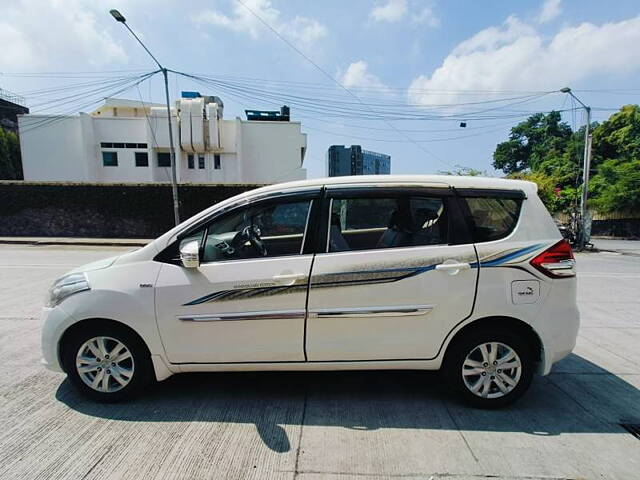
(174, 182)
(586, 168)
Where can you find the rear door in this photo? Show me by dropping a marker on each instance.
(395, 276)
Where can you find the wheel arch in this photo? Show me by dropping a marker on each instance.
(507, 323)
(77, 326)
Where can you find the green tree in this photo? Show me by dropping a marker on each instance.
(10, 159)
(461, 170)
(616, 161)
(538, 140)
(616, 186)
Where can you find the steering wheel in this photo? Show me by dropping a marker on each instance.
(252, 233)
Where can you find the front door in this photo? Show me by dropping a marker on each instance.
(394, 280)
(246, 302)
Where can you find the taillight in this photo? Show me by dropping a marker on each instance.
(557, 261)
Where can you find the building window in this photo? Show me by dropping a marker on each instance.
(216, 162)
(201, 161)
(164, 159)
(190, 163)
(110, 159)
(142, 159)
(122, 145)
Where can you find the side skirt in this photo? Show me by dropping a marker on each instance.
(309, 366)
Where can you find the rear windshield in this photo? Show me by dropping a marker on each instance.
(492, 218)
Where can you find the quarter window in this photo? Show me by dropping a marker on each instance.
(372, 223)
(492, 218)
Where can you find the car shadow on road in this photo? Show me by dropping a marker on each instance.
(578, 397)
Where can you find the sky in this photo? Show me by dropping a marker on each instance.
(395, 76)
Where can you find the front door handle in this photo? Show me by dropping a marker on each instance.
(288, 278)
(452, 267)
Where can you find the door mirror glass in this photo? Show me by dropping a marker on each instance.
(189, 254)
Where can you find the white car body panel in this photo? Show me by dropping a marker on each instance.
(359, 316)
(288, 331)
(196, 308)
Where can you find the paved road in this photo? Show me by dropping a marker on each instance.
(629, 247)
(312, 426)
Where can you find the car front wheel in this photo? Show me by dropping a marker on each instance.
(490, 369)
(107, 363)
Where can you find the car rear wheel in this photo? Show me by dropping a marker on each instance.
(490, 369)
(107, 362)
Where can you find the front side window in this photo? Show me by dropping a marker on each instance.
(164, 159)
(110, 159)
(262, 230)
(492, 218)
(372, 223)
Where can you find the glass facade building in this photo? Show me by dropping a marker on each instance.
(354, 160)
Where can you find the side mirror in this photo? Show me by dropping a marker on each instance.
(190, 255)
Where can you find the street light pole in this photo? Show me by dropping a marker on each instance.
(174, 182)
(586, 168)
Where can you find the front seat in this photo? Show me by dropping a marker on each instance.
(400, 231)
(337, 242)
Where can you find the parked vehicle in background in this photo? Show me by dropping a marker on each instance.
(464, 274)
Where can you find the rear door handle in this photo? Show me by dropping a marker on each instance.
(288, 278)
(452, 267)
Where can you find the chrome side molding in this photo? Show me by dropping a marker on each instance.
(385, 311)
(227, 317)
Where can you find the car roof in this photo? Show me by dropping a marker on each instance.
(458, 181)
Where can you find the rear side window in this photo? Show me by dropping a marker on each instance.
(493, 218)
(392, 222)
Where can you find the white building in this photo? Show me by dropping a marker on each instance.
(128, 141)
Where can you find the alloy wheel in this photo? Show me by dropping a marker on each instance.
(105, 364)
(491, 370)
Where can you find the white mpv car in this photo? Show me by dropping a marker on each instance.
(467, 275)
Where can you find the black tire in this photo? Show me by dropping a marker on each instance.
(140, 359)
(467, 343)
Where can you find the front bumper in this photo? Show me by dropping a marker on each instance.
(54, 322)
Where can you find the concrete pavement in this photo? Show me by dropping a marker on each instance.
(348, 425)
(629, 247)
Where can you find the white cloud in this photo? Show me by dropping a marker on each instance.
(420, 12)
(41, 34)
(358, 75)
(392, 11)
(514, 56)
(427, 17)
(550, 10)
(303, 29)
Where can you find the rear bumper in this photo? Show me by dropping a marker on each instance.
(558, 323)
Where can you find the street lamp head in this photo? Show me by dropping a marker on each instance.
(565, 90)
(117, 15)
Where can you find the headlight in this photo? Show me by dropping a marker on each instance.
(65, 286)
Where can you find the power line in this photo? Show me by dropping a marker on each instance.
(334, 80)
